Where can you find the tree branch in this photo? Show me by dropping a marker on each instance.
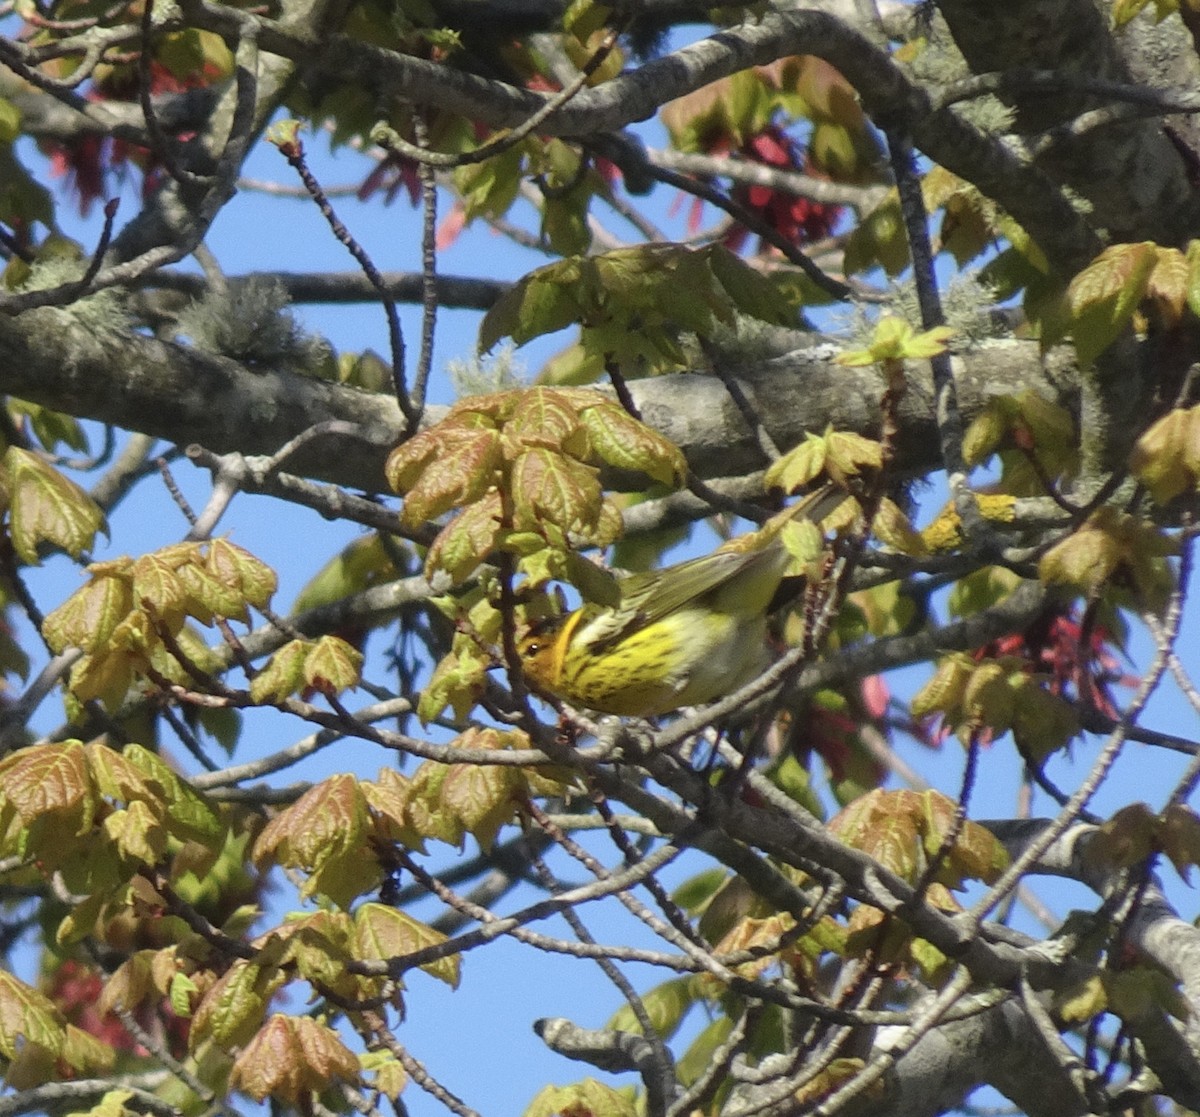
(890, 97)
(50, 356)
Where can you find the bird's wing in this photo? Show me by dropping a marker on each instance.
(646, 598)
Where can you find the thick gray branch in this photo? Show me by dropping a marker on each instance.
(998, 1047)
(462, 292)
(888, 95)
(1154, 929)
(182, 395)
(1129, 171)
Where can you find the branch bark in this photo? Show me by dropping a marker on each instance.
(1129, 171)
(59, 358)
(890, 97)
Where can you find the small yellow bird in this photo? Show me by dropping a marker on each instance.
(681, 636)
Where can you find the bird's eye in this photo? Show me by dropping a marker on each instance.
(531, 649)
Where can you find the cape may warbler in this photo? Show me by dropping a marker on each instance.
(680, 636)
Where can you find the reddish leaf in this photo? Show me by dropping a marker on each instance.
(290, 1058)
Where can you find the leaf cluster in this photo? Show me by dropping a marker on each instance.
(633, 306)
(129, 619)
(980, 699)
(38, 1043)
(1035, 439)
(1113, 547)
(521, 468)
(327, 665)
(99, 818)
(331, 831)
(920, 836)
(728, 113)
(1126, 280)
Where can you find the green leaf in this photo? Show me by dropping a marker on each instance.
(482, 797)
(116, 778)
(1042, 722)
(223, 724)
(46, 507)
(106, 677)
(542, 302)
(467, 539)
(587, 1097)
(459, 467)
(27, 1016)
(887, 826)
(565, 225)
(795, 781)
(332, 665)
(232, 1011)
(893, 339)
(626, 443)
(52, 428)
(1109, 542)
(490, 187)
(50, 787)
(546, 417)
(666, 1005)
(425, 810)
(23, 201)
(10, 121)
(365, 561)
(878, 240)
(694, 894)
(88, 617)
(180, 995)
(329, 818)
(699, 1056)
(1125, 10)
(283, 674)
(458, 682)
(981, 589)
(137, 832)
(1103, 297)
(546, 486)
(190, 817)
(157, 587)
(752, 292)
(384, 932)
(239, 571)
(1166, 458)
(799, 465)
(209, 597)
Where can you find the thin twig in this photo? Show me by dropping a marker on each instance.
(287, 757)
(429, 297)
(741, 401)
(760, 228)
(659, 1076)
(293, 151)
(176, 494)
(949, 418)
(416, 1069)
(161, 145)
(187, 738)
(391, 140)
